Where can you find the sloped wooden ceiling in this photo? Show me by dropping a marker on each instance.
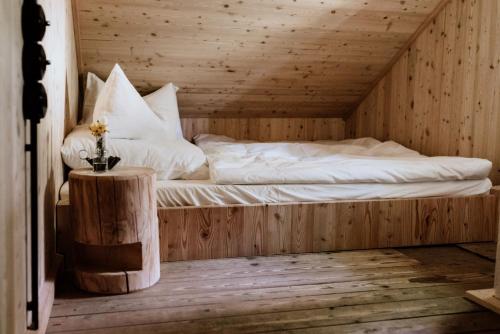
(250, 57)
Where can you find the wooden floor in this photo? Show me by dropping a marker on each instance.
(376, 291)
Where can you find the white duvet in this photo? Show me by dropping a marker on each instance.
(364, 160)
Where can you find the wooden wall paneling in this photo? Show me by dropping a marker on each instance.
(76, 32)
(72, 85)
(469, 62)
(421, 97)
(450, 79)
(487, 97)
(232, 58)
(215, 232)
(12, 178)
(494, 118)
(434, 58)
(446, 107)
(394, 60)
(61, 113)
(351, 123)
(266, 129)
(61, 84)
(458, 76)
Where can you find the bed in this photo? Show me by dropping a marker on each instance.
(445, 200)
(306, 191)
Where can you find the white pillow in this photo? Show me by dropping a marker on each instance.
(94, 86)
(171, 159)
(164, 103)
(128, 115)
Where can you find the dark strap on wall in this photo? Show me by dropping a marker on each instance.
(34, 109)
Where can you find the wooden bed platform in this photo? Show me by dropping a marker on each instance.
(190, 233)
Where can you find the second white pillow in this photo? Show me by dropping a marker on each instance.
(164, 103)
(93, 88)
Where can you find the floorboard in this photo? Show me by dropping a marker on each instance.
(484, 249)
(407, 290)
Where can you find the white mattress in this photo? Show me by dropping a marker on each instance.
(173, 193)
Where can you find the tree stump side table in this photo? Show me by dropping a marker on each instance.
(116, 241)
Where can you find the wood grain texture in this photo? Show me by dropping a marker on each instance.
(266, 129)
(13, 206)
(64, 232)
(215, 232)
(442, 96)
(115, 229)
(341, 292)
(487, 250)
(431, 17)
(60, 82)
(486, 298)
(274, 58)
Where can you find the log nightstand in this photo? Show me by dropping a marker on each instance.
(115, 225)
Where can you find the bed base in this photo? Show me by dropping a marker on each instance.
(191, 233)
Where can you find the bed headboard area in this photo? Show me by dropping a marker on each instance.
(266, 129)
(250, 59)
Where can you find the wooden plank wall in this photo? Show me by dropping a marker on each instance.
(12, 178)
(232, 58)
(266, 129)
(443, 96)
(61, 83)
(214, 232)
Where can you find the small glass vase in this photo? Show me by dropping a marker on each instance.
(100, 160)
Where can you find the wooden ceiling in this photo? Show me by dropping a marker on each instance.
(250, 58)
